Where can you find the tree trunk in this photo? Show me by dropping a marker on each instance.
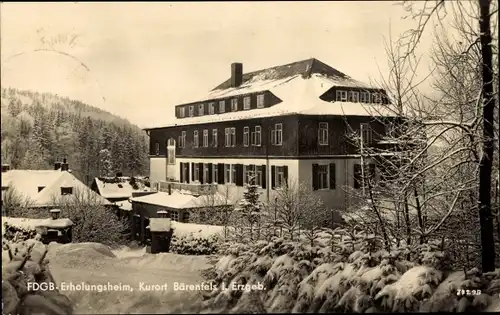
(485, 168)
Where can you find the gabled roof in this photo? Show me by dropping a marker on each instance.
(113, 190)
(305, 68)
(27, 182)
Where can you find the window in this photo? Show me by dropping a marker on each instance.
(376, 98)
(206, 174)
(40, 188)
(257, 137)
(196, 171)
(171, 155)
(366, 133)
(227, 137)
(369, 174)
(260, 101)
(174, 216)
(341, 96)
(280, 176)
(365, 97)
(258, 175)
(234, 104)
(222, 107)
(277, 135)
(182, 141)
(191, 111)
(66, 190)
(157, 148)
(182, 111)
(246, 102)
(227, 173)
(354, 96)
(214, 138)
(205, 138)
(201, 109)
(195, 139)
(215, 173)
(185, 215)
(246, 136)
(211, 108)
(323, 133)
(233, 137)
(322, 176)
(233, 174)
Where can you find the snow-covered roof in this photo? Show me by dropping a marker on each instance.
(55, 223)
(113, 190)
(299, 92)
(27, 182)
(178, 200)
(159, 224)
(124, 205)
(196, 230)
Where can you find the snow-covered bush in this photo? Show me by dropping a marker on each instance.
(352, 273)
(24, 263)
(194, 245)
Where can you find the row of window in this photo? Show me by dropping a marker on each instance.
(359, 97)
(324, 176)
(236, 174)
(247, 101)
(251, 137)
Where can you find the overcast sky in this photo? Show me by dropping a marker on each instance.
(144, 58)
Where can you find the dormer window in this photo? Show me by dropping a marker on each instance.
(182, 111)
(246, 102)
(234, 104)
(365, 97)
(260, 101)
(201, 109)
(341, 96)
(211, 108)
(66, 191)
(222, 107)
(191, 111)
(354, 96)
(40, 188)
(376, 98)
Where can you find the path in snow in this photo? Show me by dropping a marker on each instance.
(96, 264)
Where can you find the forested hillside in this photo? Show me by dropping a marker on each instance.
(39, 128)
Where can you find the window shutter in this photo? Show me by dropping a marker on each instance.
(239, 174)
(273, 137)
(273, 177)
(221, 173)
(264, 176)
(315, 176)
(201, 172)
(285, 174)
(186, 165)
(332, 175)
(210, 179)
(181, 175)
(192, 172)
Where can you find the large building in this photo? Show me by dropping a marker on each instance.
(288, 124)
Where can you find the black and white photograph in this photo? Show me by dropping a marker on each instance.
(250, 157)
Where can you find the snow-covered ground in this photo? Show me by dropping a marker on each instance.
(97, 264)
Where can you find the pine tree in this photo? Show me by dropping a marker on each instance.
(250, 207)
(106, 163)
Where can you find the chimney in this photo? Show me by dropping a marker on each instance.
(162, 214)
(5, 168)
(57, 166)
(65, 165)
(236, 74)
(169, 189)
(54, 213)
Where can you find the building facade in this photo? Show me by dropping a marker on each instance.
(289, 124)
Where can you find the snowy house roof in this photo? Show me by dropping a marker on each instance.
(178, 200)
(28, 182)
(55, 223)
(120, 189)
(299, 86)
(159, 224)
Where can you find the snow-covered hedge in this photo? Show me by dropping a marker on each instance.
(351, 274)
(195, 239)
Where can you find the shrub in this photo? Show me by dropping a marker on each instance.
(194, 245)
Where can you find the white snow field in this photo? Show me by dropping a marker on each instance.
(96, 264)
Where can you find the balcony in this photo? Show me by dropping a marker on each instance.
(195, 189)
